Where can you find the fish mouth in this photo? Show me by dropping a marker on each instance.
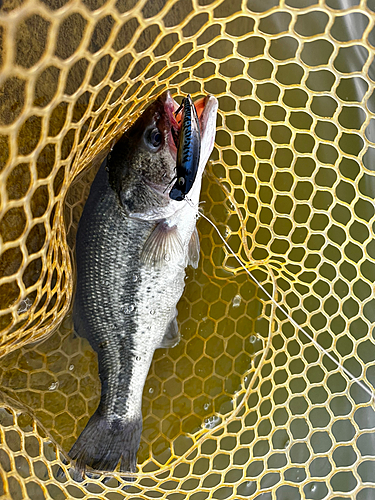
(204, 107)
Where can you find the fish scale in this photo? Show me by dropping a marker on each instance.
(118, 251)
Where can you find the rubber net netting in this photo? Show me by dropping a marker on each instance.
(245, 406)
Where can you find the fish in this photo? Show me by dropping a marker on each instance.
(188, 150)
(132, 247)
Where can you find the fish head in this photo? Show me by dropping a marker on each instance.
(142, 164)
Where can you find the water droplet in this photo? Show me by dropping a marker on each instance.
(53, 386)
(252, 339)
(231, 205)
(226, 232)
(167, 257)
(71, 367)
(152, 312)
(128, 309)
(287, 443)
(212, 422)
(135, 278)
(151, 390)
(313, 488)
(247, 487)
(138, 358)
(206, 406)
(24, 306)
(236, 301)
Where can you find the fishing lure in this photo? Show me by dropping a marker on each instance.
(188, 150)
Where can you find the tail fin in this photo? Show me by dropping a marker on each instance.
(103, 442)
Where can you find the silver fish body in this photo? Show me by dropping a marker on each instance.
(133, 244)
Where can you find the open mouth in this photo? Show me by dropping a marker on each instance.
(203, 107)
(172, 118)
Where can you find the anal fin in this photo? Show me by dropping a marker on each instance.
(163, 245)
(193, 250)
(171, 337)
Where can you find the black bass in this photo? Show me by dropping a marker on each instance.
(133, 244)
(188, 150)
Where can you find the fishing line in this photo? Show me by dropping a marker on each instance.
(300, 328)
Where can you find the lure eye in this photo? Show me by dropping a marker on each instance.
(153, 138)
(181, 181)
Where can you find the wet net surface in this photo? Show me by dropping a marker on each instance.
(245, 406)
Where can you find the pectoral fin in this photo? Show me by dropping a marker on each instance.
(163, 244)
(193, 251)
(172, 335)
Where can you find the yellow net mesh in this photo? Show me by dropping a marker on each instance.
(245, 406)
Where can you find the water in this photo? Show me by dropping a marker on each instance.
(292, 321)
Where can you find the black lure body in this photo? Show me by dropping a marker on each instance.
(188, 151)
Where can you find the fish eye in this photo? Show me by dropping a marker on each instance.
(153, 138)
